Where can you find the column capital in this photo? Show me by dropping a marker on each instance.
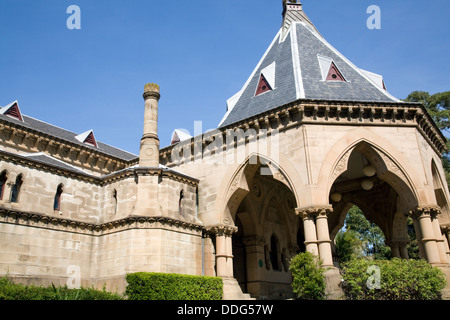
(446, 228)
(222, 230)
(315, 211)
(425, 211)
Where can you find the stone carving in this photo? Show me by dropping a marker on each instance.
(341, 165)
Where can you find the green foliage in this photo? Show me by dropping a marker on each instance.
(308, 281)
(399, 280)
(166, 286)
(348, 245)
(360, 237)
(12, 291)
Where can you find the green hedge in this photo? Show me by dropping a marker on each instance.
(13, 291)
(169, 286)
(399, 279)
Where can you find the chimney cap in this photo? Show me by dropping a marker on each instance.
(151, 90)
(153, 87)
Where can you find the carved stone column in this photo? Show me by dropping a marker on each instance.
(395, 250)
(323, 236)
(224, 250)
(317, 234)
(428, 237)
(446, 232)
(416, 223)
(399, 249)
(440, 240)
(309, 226)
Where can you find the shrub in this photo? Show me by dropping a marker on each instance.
(12, 291)
(169, 286)
(399, 280)
(308, 276)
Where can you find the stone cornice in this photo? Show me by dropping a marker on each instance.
(310, 111)
(102, 180)
(67, 225)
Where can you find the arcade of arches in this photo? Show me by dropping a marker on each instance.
(270, 227)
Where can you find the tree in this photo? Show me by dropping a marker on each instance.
(360, 237)
(348, 245)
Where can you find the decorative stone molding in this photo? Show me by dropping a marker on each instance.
(68, 225)
(102, 180)
(425, 211)
(315, 212)
(222, 230)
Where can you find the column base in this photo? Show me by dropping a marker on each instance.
(333, 289)
(232, 290)
(446, 291)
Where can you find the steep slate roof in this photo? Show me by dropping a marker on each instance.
(301, 59)
(59, 133)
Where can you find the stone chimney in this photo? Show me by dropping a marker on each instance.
(293, 12)
(149, 151)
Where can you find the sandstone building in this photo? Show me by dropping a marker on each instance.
(308, 136)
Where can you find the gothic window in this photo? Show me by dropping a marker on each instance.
(57, 200)
(3, 179)
(15, 190)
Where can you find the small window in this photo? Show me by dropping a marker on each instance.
(3, 179)
(15, 190)
(263, 86)
(114, 198)
(274, 252)
(12, 110)
(57, 200)
(334, 74)
(180, 202)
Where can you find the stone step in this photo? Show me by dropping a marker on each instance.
(247, 296)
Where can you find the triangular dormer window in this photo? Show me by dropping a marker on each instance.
(12, 110)
(180, 135)
(263, 86)
(334, 74)
(266, 80)
(329, 70)
(88, 138)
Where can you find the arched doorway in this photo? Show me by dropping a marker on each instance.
(266, 239)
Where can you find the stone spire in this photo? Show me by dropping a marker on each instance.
(293, 12)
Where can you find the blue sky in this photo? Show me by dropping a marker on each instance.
(200, 53)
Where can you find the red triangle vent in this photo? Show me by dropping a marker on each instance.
(263, 86)
(90, 139)
(14, 112)
(334, 74)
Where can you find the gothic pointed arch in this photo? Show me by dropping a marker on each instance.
(390, 164)
(237, 183)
